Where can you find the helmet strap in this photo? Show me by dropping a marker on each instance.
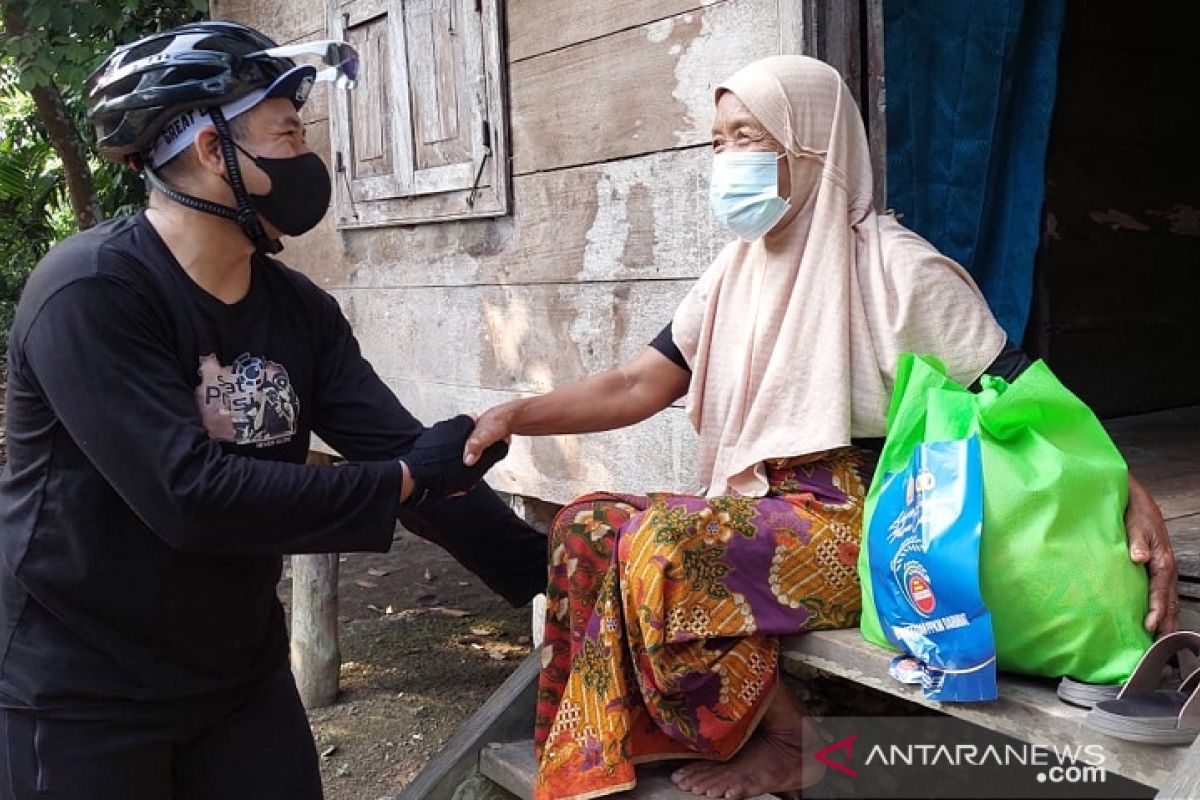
(244, 215)
(187, 200)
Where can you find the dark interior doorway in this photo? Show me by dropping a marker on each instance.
(1117, 305)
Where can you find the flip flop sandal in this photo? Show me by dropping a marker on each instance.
(1144, 711)
(1086, 695)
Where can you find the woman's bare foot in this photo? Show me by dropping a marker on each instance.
(772, 760)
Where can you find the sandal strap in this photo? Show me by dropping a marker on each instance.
(1189, 660)
(1147, 675)
(1191, 688)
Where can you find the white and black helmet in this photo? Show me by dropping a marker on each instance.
(147, 93)
(144, 85)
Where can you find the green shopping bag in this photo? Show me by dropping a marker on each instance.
(1054, 564)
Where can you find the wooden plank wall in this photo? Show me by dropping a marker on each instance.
(610, 110)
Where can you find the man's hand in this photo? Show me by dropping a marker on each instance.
(494, 426)
(435, 462)
(1149, 544)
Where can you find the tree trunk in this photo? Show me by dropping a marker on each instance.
(52, 111)
(56, 119)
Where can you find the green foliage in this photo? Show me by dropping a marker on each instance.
(67, 39)
(29, 193)
(64, 42)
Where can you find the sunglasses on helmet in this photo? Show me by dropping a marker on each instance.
(339, 61)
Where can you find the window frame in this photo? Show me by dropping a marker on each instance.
(410, 196)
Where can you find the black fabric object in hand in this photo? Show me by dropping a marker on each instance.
(436, 461)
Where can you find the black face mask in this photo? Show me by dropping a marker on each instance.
(300, 191)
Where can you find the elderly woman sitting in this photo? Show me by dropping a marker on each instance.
(664, 611)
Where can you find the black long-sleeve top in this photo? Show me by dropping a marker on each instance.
(156, 441)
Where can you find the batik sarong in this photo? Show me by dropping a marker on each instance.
(664, 612)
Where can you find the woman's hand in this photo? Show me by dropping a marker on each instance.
(1149, 544)
(612, 399)
(434, 467)
(495, 425)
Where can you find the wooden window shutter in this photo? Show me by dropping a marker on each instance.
(422, 138)
(369, 151)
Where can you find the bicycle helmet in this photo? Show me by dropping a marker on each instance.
(148, 98)
(144, 85)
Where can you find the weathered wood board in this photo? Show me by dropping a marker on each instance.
(1118, 316)
(1160, 445)
(283, 20)
(1185, 539)
(538, 26)
(517, 338)
(644, 218)
(1184, 784)
(637, 91)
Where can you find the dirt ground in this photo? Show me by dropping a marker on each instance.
(423, 643)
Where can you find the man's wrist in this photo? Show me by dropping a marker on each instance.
(406, 483)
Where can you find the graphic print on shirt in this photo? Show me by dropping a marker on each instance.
(250, 402)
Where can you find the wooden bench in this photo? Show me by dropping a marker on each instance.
(1028, 709)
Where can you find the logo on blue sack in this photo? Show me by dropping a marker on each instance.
(917, 588)
(923, 482)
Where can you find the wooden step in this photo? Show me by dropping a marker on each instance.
(507, 714)
(512, 766)
(1028, 709)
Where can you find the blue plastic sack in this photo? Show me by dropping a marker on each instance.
(923, 544)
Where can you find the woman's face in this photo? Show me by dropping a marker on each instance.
(736, 130)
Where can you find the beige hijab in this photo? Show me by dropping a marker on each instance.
(793, 339)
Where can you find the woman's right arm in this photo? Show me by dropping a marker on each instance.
(612, 399)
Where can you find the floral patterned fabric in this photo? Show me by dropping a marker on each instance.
(663, 614)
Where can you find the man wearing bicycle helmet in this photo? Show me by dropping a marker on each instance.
(166, 373)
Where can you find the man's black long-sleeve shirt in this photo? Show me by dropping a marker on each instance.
(156, 437)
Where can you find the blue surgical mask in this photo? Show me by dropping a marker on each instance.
(745, 193)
